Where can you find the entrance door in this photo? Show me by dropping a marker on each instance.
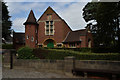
(50, 45)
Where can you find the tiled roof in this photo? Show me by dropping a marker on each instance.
(31, 19)
(74, 36)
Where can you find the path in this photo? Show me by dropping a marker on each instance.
(30, 73)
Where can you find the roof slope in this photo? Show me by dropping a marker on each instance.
(31, 19)
(74, 36)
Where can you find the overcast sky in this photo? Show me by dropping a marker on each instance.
(71, 12)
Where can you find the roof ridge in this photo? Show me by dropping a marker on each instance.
(79, 30)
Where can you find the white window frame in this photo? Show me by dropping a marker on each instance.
(49, 28)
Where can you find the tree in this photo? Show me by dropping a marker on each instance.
(107, 28)
(6, 23)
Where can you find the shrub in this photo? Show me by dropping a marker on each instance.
(26, 53)
(61, 53)
(7, 46)
(105, 50)
(76, 49)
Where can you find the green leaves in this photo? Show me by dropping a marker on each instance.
(106, 16)
(26, 53)
(59, 54)
(6, 23)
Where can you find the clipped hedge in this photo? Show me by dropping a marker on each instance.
(76, 49)
(7, 46)
(61, 53)
(105, 50)
(94, 50)
(26, 53)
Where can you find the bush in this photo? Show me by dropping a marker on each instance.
(77, 49)
(7, 46)
(26, 53)
(61, 53)
(105, 50)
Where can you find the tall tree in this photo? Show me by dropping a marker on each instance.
(106, 16)
(6, 23)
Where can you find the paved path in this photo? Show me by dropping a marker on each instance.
(0, 64)
(29, 73)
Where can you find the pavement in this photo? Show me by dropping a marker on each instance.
(0, 65)
(30, 73)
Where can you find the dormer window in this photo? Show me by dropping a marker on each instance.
(49, 28)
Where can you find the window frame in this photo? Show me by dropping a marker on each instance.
(49, 28)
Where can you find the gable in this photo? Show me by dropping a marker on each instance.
(48, 11)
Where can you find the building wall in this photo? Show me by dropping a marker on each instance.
(30, 31)
(83, 42)
(16, 43)
(60, 27)
(89, 36)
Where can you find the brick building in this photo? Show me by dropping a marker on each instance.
(50, 30)
(18, 40)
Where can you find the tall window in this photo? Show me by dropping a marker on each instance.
(49, 28)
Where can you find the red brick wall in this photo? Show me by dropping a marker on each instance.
(83, 42)
(89, 36)
(60, 27)
(30, 31)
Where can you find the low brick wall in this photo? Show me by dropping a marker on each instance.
(68, 64)
(98, 64)
(40, 64)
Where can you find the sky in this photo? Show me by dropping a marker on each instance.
(71, 12)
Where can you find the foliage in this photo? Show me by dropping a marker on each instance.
(106, 29)
(104, 50)
(7, 46)
(60, 54)
(6, 23)
(26, 53)
(77, 49)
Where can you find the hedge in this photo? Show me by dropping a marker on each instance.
(61, 53)
(76, 49)
(7, 46)
(94, 50)
(26, 53)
